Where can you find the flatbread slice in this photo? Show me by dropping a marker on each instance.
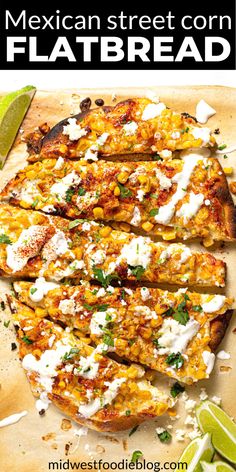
(134, 126)
(33, 244)
(175, 198)
(83, 382)
(168, 332)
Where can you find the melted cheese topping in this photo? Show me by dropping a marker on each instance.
(101, 319)
(204, 112)
(60, 188)
(166, 212)
(176, 248)
(109, 395)
(202, 133)
(12, 419)
(152, 110)
(73, 130)
(130, 128)
(188, 210)
(215, 304)
(40, 288)
(136, 220)
(137, 252)
(165, 182)
(209, 361)
(175, 336)
(46, 366)
(27, 246)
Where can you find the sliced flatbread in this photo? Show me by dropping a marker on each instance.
(168, 332)
(33, 244)
(81, 381)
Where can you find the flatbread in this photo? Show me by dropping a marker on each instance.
(31, 453)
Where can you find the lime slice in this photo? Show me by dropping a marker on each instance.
(212, 419)
(13, 107)
(199, 449)
(217, 466)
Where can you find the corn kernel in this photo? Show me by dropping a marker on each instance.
(143, 179)
(78, 252)
(63, 148)
(125, 227)
(25, 204)
(228, 170)
(159, 309)
(116, 191)
(171, 412)
(62, 384)
(207, 242)
(98, 212)
(147, 226)
(112, 186)
(168, 235)
(122, 177)
(104, 232)
(31, 174)
(40, 312)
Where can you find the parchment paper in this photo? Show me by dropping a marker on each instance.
(34, 441)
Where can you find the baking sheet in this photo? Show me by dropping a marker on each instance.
(34, 441)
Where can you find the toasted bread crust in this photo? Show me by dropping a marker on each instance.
(218, 329)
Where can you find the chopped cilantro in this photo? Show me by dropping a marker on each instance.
(176, 360)
(27, 340)
(176, 389)
(4, 239)
(128, 413)
(185, 130)
(222, 147)
(136, 455)
(6, 323)
(181, 315)
(69, 355)
(124, 191)
(197, 308)
(137, 271)
(123, 294)
(33, 290)
(168, 312)
(154, 212)
(75, 223)
(164, 437)
(225, 156)
(154, 195)
(133, 430)
(35, 202)
(156, 157)
(96, 307)
(105, 280)
(69, 194)
(107, 339)
(81, 191)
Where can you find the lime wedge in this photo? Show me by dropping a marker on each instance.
(212, 419)
(199, 449)
(13, 108)
(217, 466)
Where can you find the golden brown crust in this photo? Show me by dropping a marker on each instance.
(218, 329)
